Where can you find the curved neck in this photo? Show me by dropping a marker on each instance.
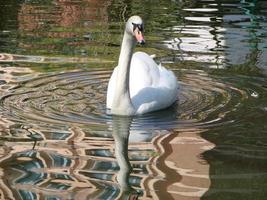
(122, 104)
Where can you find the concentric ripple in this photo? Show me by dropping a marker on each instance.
(79, 98)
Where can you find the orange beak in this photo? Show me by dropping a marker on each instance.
(139, 36)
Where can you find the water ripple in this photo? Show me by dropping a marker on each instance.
(79, 98)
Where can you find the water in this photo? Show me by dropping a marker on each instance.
(57, 142)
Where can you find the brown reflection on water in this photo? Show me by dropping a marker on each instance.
(77, 165)
(21, 161)
(186, 172)
(62, 13)
(12, 74)
(44, 26)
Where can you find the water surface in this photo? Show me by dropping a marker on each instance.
(57, 142)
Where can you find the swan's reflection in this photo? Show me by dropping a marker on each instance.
(121, 131)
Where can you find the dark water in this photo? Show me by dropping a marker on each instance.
(57, 142)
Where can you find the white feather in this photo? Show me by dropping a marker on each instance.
(152, 87)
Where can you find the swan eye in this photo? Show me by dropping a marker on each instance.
(139, 26)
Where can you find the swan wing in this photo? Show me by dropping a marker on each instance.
(152, 86)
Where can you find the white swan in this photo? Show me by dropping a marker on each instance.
(138, 85)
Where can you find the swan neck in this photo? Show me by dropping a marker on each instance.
(122, 104)
(127, 46)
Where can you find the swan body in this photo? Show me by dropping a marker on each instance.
(138, 85)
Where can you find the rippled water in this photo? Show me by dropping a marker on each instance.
(57, 142)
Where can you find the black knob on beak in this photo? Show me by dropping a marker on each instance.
(142, 42)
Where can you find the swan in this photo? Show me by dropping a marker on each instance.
(138, 85)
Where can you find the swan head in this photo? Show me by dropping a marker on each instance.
(135, 27)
